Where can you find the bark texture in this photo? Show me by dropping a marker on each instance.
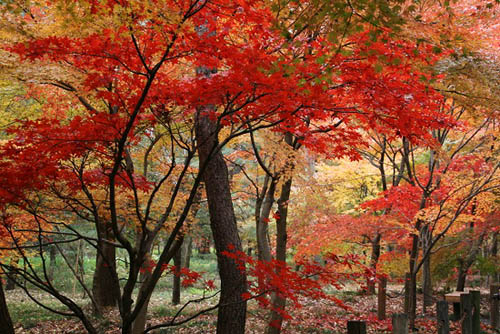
(105, 288)
(468, 261)
(375, 255)
(176, 280)
(6, 326)
(139, 323)
(232, 311)
(263, 243)
(426, 238)
(188, 250)
(276, 318)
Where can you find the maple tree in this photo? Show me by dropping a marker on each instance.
(186, 78)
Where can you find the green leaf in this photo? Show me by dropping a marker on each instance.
(396, 61)
(437, 50)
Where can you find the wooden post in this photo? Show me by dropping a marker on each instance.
(466, 313)
(494, 305)
(382, 285)
(356, 327)
(476, 311)
(407, 293)
(400, 323)
(443, 324)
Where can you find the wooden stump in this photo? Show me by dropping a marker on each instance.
(356, 327)
(381, 303)
(454, 298)
(466, 313)
(400, 323)
(494, 305)
(476, 311)
(443, 324)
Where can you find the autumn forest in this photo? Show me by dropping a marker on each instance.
(249, 166)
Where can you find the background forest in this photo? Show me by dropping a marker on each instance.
(249, 166)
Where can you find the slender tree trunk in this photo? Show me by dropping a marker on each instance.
(232, 311)
(426, 274)
(461, 279)
(6, 326)
(259, 201)
(204, 246)
(375, 255)
(139, 322)
(176, 279)
(279, 302)
(263, 244)
(427, 283)
(412, 293)
(53, 260)
(468, 261)
(494, 254)
(188, 250)
(11, 284)
(11, 278)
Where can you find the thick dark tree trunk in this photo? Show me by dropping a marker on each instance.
(6, 326)
(105, 288)
(176, 279)
(232, 311)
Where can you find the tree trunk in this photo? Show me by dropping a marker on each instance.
(407, 293)
(176, 279)
(204, 246)
(469, 260)
(462, 278)
(278, 302)
(426, 274)
(188, 250)
(412, 293)
(53, 260)
(139, 322)
(494, 254)
(232, 311)
(263, 244)
(375, 243)
(6, 326)
(11, 278)
(105, 288)
(427, 283)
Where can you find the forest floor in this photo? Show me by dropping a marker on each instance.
(319, 317)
